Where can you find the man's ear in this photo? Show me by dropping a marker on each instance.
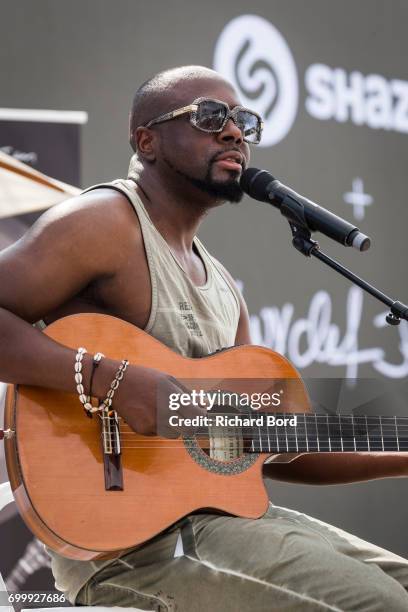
(145, 140)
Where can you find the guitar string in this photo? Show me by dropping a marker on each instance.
(284, 440)
(279, 446)
(355, 442)
(292, 432)
(272, 448)
(329, 437)
(303, 433)
(295, 431)
(304, 415)
(274, 433)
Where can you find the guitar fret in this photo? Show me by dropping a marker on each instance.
(396, 432)
(286, 438)
(322, 433)
(315, 439)
(347, 432)
(335, 435)
(390, 435)
(374, 433)
(360, 433)
(354, 436)
(368, 437)
(255, 441)
(403, 442)
(292, 436)
(328, 431)
(364, 441)
(307, 439)
(282, 439)
(311, 436)
(301, 438)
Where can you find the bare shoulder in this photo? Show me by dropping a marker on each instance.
(90, 227)
(70, 246)
(96, 213)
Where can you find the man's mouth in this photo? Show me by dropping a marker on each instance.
(230, 160)
(229, 164)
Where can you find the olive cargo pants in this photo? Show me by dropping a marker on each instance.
(285, 561)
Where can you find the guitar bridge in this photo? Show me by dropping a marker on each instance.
(111, 451)
(110, 433)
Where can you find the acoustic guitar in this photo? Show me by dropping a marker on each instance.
(93, 488)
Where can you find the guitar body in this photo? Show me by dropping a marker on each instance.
(56, 465)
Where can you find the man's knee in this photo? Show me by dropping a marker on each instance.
(385, 594)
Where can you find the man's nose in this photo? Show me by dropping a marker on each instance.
(230, 133)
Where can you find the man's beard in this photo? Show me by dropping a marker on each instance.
(226, 191)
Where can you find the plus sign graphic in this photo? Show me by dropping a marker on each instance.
(357, 198)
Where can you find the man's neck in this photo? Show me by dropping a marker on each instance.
(176, 211)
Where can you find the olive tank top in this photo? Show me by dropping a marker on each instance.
(192, 320)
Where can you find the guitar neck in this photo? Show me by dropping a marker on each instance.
(328, 433)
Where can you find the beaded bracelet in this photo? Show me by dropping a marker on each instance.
(107, 402)
(97, 358)
(84, 399)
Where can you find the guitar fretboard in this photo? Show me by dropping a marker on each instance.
(329, 433)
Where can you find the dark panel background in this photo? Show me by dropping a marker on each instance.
(91, 55)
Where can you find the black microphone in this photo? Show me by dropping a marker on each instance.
(262, 186)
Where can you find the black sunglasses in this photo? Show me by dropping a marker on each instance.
(211, 116)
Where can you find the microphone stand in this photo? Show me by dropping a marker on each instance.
(303, 242)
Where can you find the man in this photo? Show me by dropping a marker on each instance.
(94, 254)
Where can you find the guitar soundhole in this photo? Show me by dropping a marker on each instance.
(223, 443)
(222, 452)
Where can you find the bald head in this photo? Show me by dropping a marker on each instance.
(168, 90)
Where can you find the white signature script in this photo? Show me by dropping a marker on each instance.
(322, 339)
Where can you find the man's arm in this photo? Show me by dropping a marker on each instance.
(338, 468)
(327, 468)
(52, 263)
(68, 248)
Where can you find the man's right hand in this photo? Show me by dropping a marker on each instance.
(142, 400)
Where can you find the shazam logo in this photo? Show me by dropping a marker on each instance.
(253, 55)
